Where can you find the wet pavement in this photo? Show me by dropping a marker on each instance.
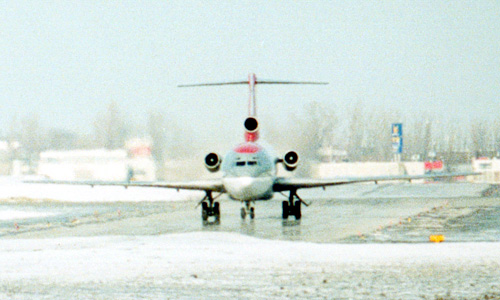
(366, 220)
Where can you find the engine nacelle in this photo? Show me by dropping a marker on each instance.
(291, 160)
(212, 162)
(251, 129)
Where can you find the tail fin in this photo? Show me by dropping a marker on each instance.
(252, 103)
(252, 81)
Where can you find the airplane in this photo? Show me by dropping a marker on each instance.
(249, 170)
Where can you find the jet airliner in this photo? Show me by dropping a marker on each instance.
(249, 170)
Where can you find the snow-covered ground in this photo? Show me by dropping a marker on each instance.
(15, 188)
(16, 214)
(213, 265)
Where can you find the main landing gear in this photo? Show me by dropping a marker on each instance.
(292, 207)
(247, 209)
(210, 208)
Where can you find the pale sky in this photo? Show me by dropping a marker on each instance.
(66, 60)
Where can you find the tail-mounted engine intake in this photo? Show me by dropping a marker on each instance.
(251, 129)
(212, 162)
(291, 160)
(251, 124)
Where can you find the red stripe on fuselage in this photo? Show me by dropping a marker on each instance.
(247, 148)
(251, 136)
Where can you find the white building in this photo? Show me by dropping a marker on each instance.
(141, 159)
(5, 164)
(98, 164)
(489, 169)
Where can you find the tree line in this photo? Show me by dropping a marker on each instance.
(363, 132)
(110, 131)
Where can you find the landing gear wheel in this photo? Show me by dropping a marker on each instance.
(297, 210)
(216, 211)
(204, 211)
(292, 207)
(209, 208)
(243, 213)
(286, 210)
(252, 213)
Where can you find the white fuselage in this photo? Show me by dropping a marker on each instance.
(249, 188)
(249, 173)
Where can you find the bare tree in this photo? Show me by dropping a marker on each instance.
(60, 139)
(479, 138)
(453, 144)
(279, 133)
(356, 132)
(496, 136)
(157, 130)
(378, 144)
(32, 139)
(316, 129)
(418, 137)
(426, 142)
(110, 128)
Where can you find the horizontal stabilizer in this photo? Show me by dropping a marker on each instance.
(256, 82)
(212, 84)
(289, 82)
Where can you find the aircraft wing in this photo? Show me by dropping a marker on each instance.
(287, 184)
(200, 185)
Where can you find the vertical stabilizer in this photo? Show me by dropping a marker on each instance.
(251, 123)
(252, 104)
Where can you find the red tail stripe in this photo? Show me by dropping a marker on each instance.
(251, 136)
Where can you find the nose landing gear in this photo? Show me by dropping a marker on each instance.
(247, 209)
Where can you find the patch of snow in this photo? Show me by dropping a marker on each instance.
(15, 188)
(124, 257)
(214, 265)
(13, 214)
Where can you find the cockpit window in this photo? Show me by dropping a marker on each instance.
(248, 163)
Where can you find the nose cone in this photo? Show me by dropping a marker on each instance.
(248, 188)
(245, 183)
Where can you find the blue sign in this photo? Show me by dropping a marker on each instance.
(397, 138)
(397, 129)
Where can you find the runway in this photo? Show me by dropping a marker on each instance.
(372, 218)
(357, 242)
